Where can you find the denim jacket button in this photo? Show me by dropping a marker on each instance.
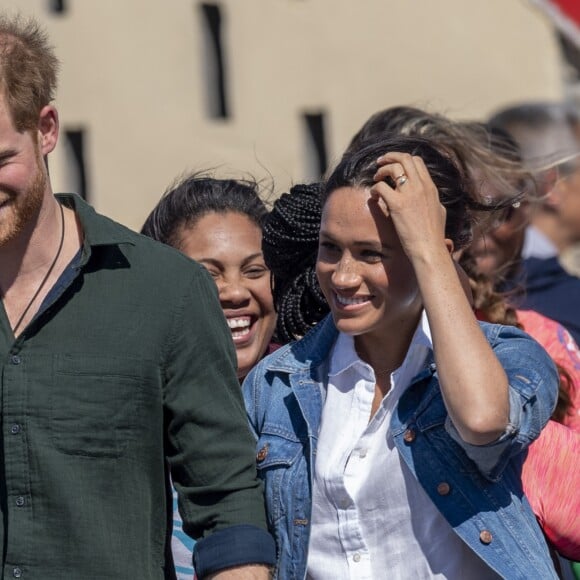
(262, 454)
(485, 537)
(409, 436)
(443, 488)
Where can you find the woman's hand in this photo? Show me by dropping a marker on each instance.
(413, 204)
(473, 382)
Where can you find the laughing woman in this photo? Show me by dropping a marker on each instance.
(391, 437)
(218, 222)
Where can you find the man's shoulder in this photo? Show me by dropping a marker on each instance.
(141, 251)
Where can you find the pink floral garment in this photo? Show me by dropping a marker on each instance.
(551, 472)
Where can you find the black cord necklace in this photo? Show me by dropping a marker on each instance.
(46, 275)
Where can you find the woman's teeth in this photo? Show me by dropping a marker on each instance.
(239, 326)
(345, 301)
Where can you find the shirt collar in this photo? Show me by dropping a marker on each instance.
(537, 244)
(98, 230)
(344, 355)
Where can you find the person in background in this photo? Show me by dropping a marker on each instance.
(218, 223)
(116, 369)
(550, 149)
(496, 256)
(368, 396)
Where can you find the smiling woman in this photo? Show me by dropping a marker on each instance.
(390, 437)
(218, 223)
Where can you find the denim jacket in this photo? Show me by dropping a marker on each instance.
(482, 499)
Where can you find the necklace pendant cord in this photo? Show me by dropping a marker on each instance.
(48, 273)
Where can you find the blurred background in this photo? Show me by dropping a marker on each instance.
(150, 89)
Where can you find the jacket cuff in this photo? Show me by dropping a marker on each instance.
(234, 546)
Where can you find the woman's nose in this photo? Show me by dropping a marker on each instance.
(233, 291)
(345, 275)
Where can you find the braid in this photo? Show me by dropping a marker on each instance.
(290, 246)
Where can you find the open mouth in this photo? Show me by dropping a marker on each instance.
(241, 327)
(351, 301)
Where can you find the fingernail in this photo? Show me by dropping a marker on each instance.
(379, 159)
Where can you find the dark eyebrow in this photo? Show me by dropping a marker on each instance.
(358, 243)
(210, 261)
(7, 154)
(252, 257)
(218, 264)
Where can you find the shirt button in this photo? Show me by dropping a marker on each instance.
(19, 501)
(15, 360)
(344, 503)
(17, 572)
(362, 453)
(409, 436)
(443, 488)
(15, 429)
(485, 537)
(356, 558)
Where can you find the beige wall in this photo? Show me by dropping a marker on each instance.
(133, 78)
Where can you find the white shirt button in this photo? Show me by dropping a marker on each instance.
(362, 453)
(356, 558)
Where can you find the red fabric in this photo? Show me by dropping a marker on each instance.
(560, 345)
(551, 480)
(551, 472)
(570, 8)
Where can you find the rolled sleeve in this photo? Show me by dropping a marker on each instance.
(533, 391)
(235, 546)
(210, 449)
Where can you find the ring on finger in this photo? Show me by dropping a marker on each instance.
(401, 180)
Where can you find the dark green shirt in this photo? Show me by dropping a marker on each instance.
(128, 367)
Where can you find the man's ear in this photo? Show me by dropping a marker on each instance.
(47, 129)
(449, 245)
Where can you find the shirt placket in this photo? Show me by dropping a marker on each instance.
(17, 476)
(17, 409)
(355, 547)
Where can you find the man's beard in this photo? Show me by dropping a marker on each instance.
(23, 208)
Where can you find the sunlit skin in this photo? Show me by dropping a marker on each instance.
(23, 179)
(30, 218)
(229, 245)
(364, 273)
(383, 257)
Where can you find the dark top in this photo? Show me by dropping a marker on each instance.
(129, 368)
(551, 291)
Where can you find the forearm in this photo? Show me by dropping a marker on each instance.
(473, 383)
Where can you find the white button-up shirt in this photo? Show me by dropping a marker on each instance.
(370, 517)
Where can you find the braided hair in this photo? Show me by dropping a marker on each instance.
(290, 247)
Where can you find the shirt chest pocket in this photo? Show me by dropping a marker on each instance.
(95, 402)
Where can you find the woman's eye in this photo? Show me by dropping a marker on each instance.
(328, 246)
(213, 273)
(372, 255)
(256, 272)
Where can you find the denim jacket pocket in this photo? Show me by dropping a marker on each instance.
(94, 401)
(277, 456)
